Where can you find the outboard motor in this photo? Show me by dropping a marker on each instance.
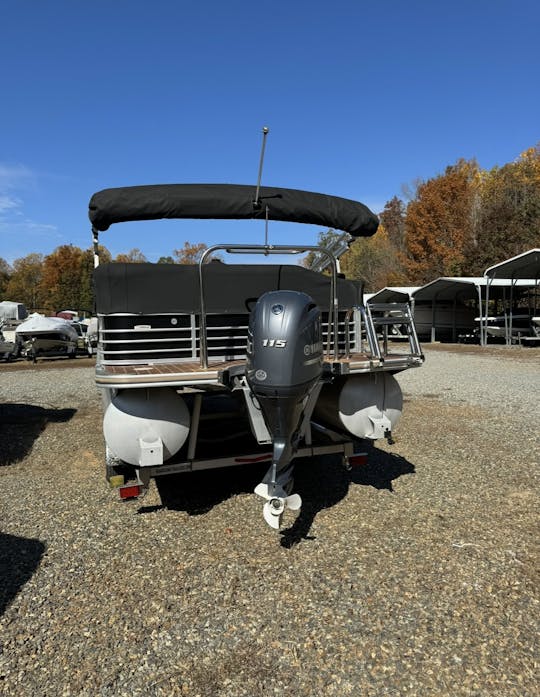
(284, 365)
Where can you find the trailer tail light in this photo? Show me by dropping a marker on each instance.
(358, 460)
(130, 491)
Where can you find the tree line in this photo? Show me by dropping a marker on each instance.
(455, 224)
(64, 279)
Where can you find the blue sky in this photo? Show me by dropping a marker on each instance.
(361, 98)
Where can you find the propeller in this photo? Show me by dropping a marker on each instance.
(275, 506)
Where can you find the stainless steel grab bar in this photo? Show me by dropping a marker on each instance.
(272, 249)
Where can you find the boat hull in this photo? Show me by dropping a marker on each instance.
(47, 345)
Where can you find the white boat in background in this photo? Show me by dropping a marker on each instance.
(46, 336)
(91, 324)
(500, 326)
(8, 348)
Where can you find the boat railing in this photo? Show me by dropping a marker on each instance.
(371, 334)
(380, 317)
(266, 249)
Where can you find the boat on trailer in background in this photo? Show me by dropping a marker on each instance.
(216, 365)
(40, 336)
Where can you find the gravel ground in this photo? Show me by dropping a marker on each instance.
(414, 575)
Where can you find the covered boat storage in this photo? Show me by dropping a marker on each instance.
(521, 270)
(454, 308)
(442, 309)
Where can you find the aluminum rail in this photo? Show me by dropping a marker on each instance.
(272, 249)
(371, 335)
(346, 321)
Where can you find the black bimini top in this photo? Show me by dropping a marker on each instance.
(229, 201)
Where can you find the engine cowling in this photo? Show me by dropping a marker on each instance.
(284, 342)
(284, 363)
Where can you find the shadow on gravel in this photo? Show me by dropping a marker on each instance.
(381, 470)
(324, 482)
(197, 493)
(321, 482)
(19, 559)
(21, 424)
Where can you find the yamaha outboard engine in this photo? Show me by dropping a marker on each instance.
(284, 365)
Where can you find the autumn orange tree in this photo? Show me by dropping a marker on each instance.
(373, 260)
(24, 285)
(508, 217)
(61, 278)
(393, 220)
(189, 253)
(134, 256)
(439, 224)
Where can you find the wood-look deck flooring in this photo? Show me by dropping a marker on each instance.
(168, 368)
(184, 373)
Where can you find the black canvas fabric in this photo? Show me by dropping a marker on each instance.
(229, 288)
(229, 201)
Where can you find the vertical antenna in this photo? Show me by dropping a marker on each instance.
(96, 247)
(256, 202)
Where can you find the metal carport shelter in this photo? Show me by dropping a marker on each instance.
(516, 270)
(447, 296)
(393, 294)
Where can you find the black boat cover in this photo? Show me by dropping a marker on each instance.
(229, 201)
(229, 288)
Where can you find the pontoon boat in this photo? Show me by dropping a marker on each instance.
(216, 364)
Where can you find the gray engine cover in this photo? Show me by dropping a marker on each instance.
(284, 342)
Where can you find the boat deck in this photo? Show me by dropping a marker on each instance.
(182, 374)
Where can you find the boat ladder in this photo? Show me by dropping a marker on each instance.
(390, 320)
